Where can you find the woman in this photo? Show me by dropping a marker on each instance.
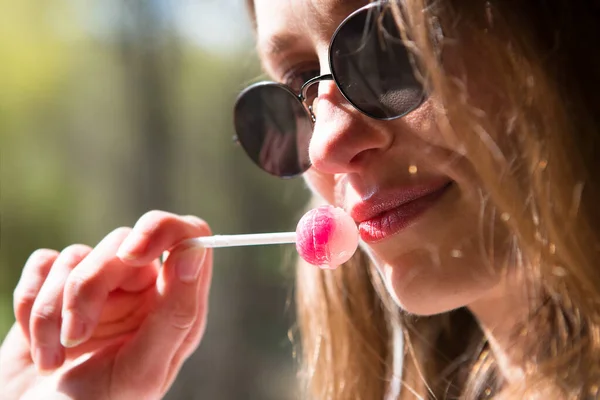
(462, 137)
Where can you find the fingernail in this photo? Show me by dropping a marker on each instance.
(129, 249)
(189, 263)
(46, 358)
(73, 330)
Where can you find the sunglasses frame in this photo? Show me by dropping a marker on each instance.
(301, 95)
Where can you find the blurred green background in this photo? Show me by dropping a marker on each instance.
(111, 108)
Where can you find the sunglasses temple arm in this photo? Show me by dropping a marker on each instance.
(253, 239)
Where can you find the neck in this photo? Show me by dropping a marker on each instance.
(500, 314)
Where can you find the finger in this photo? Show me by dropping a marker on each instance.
(182, 293)
(34, 274)
(192, 340)
(140, 279)
(88, 286)
(14, 355)
(155, 232)
(45, 320)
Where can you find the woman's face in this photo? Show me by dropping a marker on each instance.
(414, 197)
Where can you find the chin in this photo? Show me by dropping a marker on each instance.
(422, 302)
(427, 289)
(417, 305)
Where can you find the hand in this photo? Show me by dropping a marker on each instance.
(109, 322)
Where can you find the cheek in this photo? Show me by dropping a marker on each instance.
(322, 185)
(429, 125)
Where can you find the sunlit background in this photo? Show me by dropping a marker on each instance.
(111, 108)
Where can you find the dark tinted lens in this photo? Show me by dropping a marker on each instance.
(274, 129)
(371, 65)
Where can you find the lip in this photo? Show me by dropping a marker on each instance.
(385, 214)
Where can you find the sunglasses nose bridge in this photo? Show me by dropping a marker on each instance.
(312, 81)
(304, 92)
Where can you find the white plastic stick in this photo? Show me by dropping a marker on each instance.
(252, 239)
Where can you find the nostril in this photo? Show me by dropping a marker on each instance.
(357, 159)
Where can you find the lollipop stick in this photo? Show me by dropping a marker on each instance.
(252, 239)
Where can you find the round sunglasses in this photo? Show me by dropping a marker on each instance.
(371, 68)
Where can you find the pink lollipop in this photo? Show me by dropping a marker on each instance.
(326, 236)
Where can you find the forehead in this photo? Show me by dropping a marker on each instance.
(281, 22)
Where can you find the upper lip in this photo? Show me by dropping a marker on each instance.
(382, 201)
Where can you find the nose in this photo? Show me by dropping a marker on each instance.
(343, 139)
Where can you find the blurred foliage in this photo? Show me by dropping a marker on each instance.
(103, 121)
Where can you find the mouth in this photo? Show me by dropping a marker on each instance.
(384, 215)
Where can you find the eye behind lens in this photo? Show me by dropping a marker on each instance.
(272, 127)
(373, 68)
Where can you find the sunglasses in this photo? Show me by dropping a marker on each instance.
(370, 66)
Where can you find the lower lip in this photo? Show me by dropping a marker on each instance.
(396, 219)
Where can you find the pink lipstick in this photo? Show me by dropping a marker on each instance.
(385, 214)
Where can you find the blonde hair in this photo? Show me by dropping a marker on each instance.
(534, 140)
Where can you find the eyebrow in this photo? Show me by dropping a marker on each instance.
(279, 42)
(276, 44)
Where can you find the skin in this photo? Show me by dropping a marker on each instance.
(107, 323)
(437, 263)
(355, 157)
(132, 325)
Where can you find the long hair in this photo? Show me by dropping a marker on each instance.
(534, 140)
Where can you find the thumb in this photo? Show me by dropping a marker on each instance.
(182, 299)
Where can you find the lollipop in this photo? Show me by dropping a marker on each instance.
(325, 236)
